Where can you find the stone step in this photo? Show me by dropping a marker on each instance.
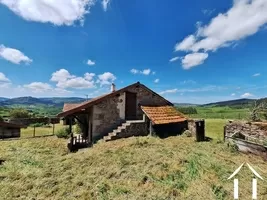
(112, 134)
(110, 138)
(107, 138)
(117, 133)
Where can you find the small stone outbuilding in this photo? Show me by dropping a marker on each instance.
(130, 111)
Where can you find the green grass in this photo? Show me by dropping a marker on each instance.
(223, 112)
(132, 168)
(40, 131)
(214, 128)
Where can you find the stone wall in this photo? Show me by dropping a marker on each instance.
(136, 129)
(146, 97)
(9, 132)
(106, 116)
(247, 130)
(192, 126)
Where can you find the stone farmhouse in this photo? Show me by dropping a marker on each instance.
(131, 111)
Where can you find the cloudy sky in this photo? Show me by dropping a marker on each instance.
(188, 51)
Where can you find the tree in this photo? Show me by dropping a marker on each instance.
(19, 113)
(259, 108)
(1, 119)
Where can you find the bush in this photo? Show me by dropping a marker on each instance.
(19, 113)
(37, 125)
(187, 133)
(63, 133)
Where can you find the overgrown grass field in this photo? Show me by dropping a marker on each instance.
(133, 168)
(40, 131)
(222, 112)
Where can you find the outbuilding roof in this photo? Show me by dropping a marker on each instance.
(69, 106)
(163, 114)
(10, 125)
(96, 100)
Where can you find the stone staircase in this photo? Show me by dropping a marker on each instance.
(126, 129)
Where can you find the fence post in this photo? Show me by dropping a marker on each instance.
(34, 131)
(53, 129)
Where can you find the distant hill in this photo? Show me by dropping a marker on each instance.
(236, 102)
(62, 100)
(32, 101)
(3, 98)
(185, 104)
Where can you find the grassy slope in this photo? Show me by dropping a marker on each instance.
(223, 112)
(133, 168)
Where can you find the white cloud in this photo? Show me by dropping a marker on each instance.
(186, 44)
(61, 75)
(257, 74)
(207, 11)
(89, 76)
(146, 71)
(134, 71)
(106, 78)
(38, 87)
(90, 62)
(246, 95)
(57, 12)
(13, 55)
(194, 59)
(3, 78)
(233, 94)
(156, 80)
(169, 91)
(77, 83)
(65, 80)
(105, 4)
(243, 19)
(188, 82)
(4, 81)
(174, 59)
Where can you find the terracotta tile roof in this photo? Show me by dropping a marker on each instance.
(101, 98)
(163, 114)
(10, 125)
(69, 106)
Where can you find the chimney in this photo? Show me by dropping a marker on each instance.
(113, 87)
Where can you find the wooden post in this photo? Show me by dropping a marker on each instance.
(34, 131)
(70, 125)
(224, 133)
(150, 128)
(53, 129)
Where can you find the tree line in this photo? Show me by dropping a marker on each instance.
(187, 110)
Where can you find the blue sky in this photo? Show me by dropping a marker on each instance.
(189, 51)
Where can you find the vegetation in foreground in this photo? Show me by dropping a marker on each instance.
(133, 168)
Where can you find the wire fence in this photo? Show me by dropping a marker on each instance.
(45, 130)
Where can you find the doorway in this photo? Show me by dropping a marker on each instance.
(130, 106)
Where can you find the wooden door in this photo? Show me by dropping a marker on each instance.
(130, 107)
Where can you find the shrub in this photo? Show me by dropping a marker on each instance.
(19, 113)
(37, 125)
(78, 128)
(187, 133)
(63, 133)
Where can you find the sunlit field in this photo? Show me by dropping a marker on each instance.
(132, 168)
